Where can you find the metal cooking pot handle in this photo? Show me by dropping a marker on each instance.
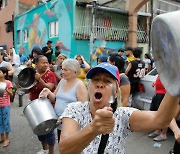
(54, 126)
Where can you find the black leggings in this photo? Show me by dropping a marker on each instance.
(177, 144)
(176, 148)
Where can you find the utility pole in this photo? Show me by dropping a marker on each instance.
(93, 10)
(151, 19)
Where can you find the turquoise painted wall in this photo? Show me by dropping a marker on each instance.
(37, 20)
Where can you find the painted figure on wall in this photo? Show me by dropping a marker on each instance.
(35, 36)
(102, 50)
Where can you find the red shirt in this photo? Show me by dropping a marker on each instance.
(47, 77)
(5, 100)
(159, 87)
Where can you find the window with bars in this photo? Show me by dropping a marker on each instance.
(108, 26)
(53, 29)
(25, 35)
(18, 37)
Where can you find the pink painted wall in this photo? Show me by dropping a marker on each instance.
(5, 16)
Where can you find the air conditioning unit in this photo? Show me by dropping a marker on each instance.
(9, 26)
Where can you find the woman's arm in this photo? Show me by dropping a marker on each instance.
(46, 85)
(125, 93)
(81, 92)
(9, 91)
(10, 70)
(47, 93)
(128, 68)
(153, 120)
(86, 65)
(74, 140)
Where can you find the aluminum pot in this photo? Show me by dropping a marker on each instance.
(165, 37)
(41, 116)
(2, 88)
(24, 77)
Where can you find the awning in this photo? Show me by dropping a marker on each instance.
(3, 47)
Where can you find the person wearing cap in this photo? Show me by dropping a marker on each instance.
(102, 59)
(118, 61)
(84, 123)
(48, 51)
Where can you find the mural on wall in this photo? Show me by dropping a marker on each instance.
(36, 34)
(102, 47)
(37, 22)
(102, 50)
(61, 46)
(49, 11)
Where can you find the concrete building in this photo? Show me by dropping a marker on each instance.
(8, 10)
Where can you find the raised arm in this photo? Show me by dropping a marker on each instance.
(125, 93)
(86, 65)
(153, 120)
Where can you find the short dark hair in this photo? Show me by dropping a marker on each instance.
(49, 42)
(121, 50)
(148, 55)
(5, 71)
(129, 48)
(38, 58)
(137, 52)
(119, 61)
(36, 49)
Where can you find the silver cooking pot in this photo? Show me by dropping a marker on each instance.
(24, 77)
(41, 116)
(2, 88)
(166, 49)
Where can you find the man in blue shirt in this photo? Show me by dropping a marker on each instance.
(23, 59)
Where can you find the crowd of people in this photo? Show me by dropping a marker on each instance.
(92, 103)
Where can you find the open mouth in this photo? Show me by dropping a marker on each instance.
(98, 95)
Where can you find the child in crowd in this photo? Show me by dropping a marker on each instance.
(5, 108)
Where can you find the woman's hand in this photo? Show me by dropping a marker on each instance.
(44, 93)
(37, 76)
(59, 121)
(103, 122)
(51, 67)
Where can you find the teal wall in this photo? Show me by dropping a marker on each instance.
(36, 21)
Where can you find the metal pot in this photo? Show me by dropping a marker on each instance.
(41, 116)
(166, 49)
(24, 77)
(2, 88)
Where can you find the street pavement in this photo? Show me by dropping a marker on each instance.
(23, 141)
